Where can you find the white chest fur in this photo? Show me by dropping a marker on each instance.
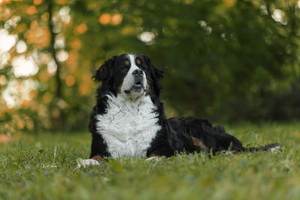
(128, 127)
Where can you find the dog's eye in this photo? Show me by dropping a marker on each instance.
(126, 63)
(138, 61)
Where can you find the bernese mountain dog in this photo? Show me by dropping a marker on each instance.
(129, 120)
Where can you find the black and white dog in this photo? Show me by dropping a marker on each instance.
(128, 118)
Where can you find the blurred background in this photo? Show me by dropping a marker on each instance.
(225, 60)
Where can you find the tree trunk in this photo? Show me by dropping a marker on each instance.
(58, 91)
(56, 111)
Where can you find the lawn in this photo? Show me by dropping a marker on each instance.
(44, 167)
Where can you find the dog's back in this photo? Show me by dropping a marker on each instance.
(195, 134)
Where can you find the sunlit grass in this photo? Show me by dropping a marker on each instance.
(43, 167)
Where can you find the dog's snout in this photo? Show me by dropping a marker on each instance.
(137, 72)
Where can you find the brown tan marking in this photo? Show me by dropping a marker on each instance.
(98, 158)
(153, 155)
(235, 152)
(147, 90)
(197, 142)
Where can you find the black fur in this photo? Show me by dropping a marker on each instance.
(184, 134)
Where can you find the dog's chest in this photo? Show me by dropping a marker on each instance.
(128, 128)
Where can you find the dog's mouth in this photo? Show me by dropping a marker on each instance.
(138, 87)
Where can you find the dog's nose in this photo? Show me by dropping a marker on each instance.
(137, 72)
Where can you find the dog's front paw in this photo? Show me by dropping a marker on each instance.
(86, 162)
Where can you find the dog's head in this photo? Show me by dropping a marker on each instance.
(130, 75)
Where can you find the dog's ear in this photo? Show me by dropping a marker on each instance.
(104, 72)
(155, 73)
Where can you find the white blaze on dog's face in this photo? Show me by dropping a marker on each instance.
(135, 81)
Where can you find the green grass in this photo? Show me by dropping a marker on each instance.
(43, 167)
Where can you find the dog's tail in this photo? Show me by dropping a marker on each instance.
(270, 147)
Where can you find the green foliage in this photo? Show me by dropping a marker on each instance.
(43, 167)
(225, 60)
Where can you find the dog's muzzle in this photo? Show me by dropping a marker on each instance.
(138, 87)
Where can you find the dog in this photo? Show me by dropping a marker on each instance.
(128, 119)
